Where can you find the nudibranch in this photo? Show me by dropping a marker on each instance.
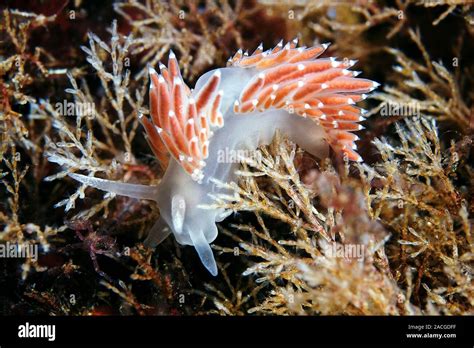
(239, 107)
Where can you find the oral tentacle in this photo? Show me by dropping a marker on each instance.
(120, 188)
(157, 234)
(204, 251)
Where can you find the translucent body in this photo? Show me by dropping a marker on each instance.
(179, 196)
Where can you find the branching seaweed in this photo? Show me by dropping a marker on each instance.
(299, 270)
(109, 151)
(417, 200)
(428, 88)
(203, 34)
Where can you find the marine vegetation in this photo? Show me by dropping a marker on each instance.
(251, 130)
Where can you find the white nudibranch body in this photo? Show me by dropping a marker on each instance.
(232, 109)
